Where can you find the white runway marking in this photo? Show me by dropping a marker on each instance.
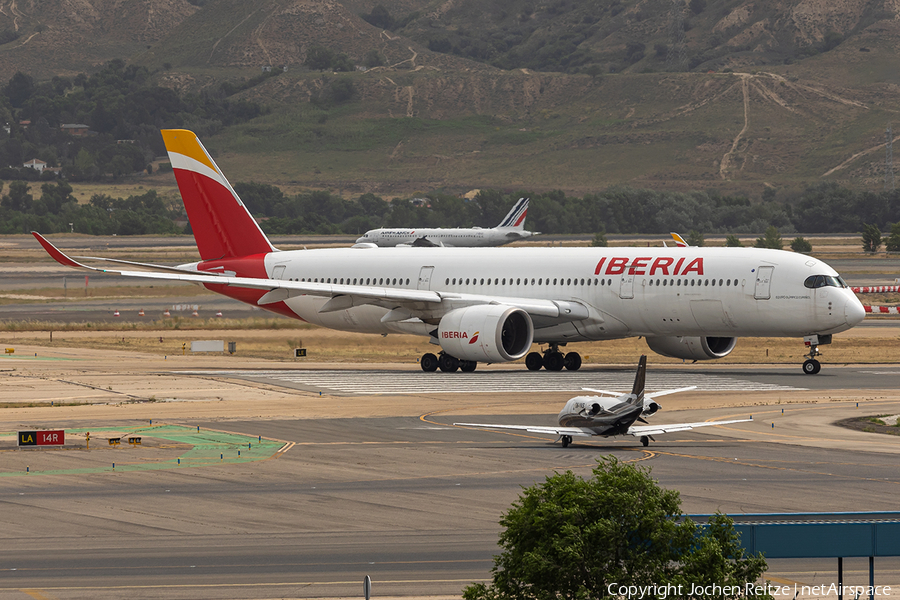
(417, 382)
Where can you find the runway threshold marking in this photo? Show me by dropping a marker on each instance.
(417, 382)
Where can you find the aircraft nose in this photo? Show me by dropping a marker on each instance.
(854, 311)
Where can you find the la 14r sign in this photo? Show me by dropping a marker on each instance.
(42, 438)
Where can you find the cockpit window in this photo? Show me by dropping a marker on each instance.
(817, 281)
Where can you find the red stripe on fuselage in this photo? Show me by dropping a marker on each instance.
(253, 266)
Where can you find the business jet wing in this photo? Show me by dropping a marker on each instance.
(341, 296)
(650, 396)
(574, 431)
(656, 429)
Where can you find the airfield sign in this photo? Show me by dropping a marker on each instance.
(55, 437)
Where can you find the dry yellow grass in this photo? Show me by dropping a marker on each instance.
(276, 340)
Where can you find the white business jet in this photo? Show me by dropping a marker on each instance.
(493, 304)
(589, 416)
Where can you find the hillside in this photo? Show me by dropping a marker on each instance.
(71, 36)
(512, 94)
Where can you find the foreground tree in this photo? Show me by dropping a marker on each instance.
(571, 538)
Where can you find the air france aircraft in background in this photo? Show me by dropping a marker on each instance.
(510, 229)
(492, 304)
(587, 416)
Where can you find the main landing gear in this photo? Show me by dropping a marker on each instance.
(553, 360)
(446, 363)
(565, 440)
(811, 366)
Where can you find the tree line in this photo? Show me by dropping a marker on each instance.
(123, 111)
(824, 208)
(58, 211)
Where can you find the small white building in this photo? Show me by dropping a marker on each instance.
(36, 164)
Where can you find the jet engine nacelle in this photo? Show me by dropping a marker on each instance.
(650, 408)
(692, 348)
(486, 333)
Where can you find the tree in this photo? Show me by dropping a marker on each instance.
(600, 239)
(372, 59)
(380, 17)
(695, 238)
(732, 241)
(19, 199)
(318, 58)
(871, 238)
(573, 538)
(893, 242)
(799, 244)
(770, 239)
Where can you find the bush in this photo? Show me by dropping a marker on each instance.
(798, 244)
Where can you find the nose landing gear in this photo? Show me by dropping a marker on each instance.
(811, 366)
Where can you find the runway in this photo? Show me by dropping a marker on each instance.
(411, 502)
(408, 499)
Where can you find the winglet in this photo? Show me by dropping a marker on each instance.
(58, 256)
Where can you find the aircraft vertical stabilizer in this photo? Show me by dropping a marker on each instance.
(222, 225)
(639, 378)
(515, 218)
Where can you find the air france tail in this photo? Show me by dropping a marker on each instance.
(515, 218)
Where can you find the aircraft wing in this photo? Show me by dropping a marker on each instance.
(639, 430)
(574, 431)
(341, 296)
(667, 392)
(650, 396)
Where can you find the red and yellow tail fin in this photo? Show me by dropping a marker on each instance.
(222, 225)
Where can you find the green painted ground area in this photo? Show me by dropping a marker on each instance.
(33, 357)
(207, 448)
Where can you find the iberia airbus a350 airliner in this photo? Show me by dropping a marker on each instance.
(492, 304)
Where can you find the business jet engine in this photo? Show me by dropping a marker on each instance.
(486, 333)
(692, 348)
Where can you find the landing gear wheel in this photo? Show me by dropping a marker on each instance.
(429, 363)
(467, 366)
(448, 364)
(812, 366)
(566, 440)
(573, 361)
(645, 441)
(554, 361)
(534, 361)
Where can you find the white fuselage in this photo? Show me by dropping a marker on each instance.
(458, 238)
(728, 292)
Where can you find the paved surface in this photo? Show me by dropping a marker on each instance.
(377, 484)
(717, 379)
